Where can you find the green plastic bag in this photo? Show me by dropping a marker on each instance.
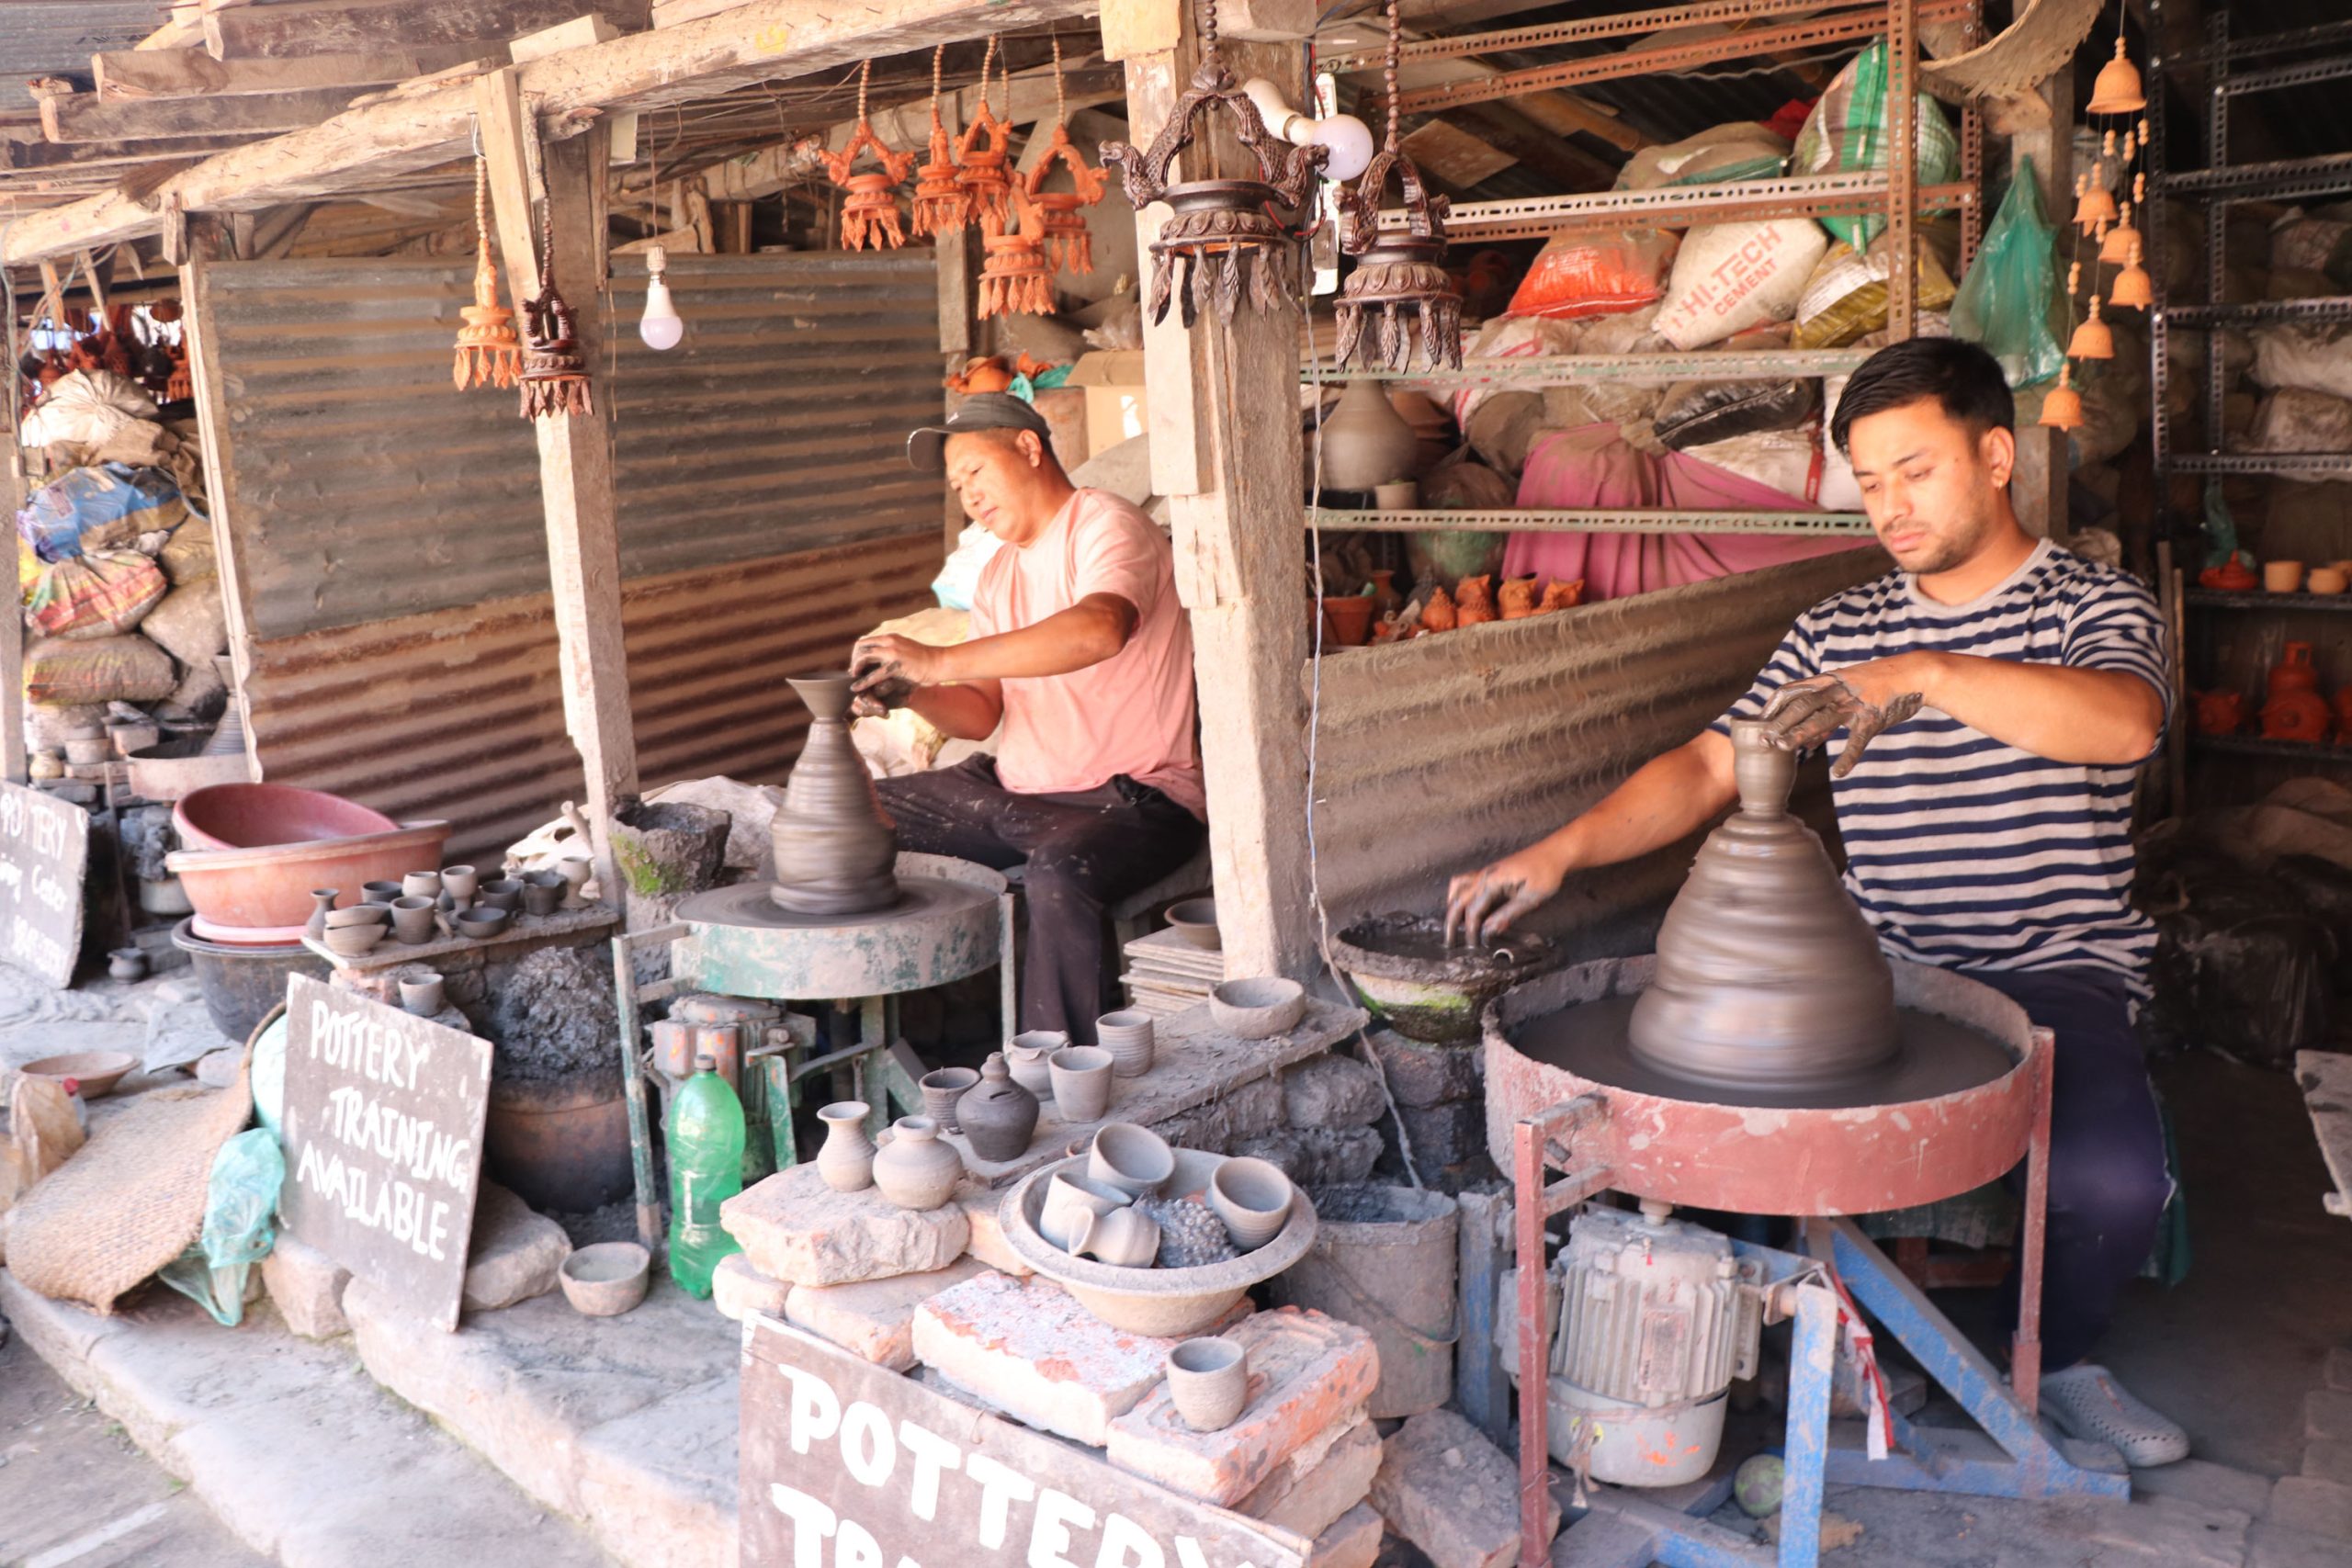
(241, 1200)
(2004, 301)
(1847, 132)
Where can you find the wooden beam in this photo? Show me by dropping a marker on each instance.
(86, 117)
(81, 155)
(1563, 162)
(13, 758)
(178, 73)
(2037, 484)
(212, 425)
(573, 34)
(357, 27)
(761, 41)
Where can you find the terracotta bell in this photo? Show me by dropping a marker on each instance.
(2093, 201)
(1061, 231)
(2132, 289)
(2061, 406)
(490, 353)
(2118, 89)
(980, 170)
(1015, 276)
(2094, 339)
(1400, 280)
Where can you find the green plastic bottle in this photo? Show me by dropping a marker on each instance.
(705, 1169)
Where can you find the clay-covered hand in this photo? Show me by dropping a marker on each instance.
(1805, 714)
(1481, 905)
(884, 671)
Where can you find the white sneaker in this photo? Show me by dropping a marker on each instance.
(2087, 1402)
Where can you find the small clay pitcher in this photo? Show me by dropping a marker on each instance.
(412, 919)
(1208, 1381)
(316, 927)
(1068, 1197)
(1029, 1055)
(999, 1115)
(847, 1158)
(941, 1090)
(913, 1169)
(426, 999)
(1124, 1238)
(462, 882)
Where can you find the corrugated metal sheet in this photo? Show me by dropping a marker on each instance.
(780, 424)
(458, 713)
(58, 40)
(1434, 756)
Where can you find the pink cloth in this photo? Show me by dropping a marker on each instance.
(1592, 468)
(1131, 713)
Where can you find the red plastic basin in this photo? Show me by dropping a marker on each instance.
(256, 815)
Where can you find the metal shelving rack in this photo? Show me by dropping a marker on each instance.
(1895, 191)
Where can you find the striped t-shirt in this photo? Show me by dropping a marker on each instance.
(1964, 852)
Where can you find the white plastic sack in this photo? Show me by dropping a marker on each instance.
(2295, 420)
(960, 577)
(1741, 150)
(85, 408)
(1732, 276)
(2317, 359)
(1785, 460)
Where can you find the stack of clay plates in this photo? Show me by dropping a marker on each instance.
(1166, 973)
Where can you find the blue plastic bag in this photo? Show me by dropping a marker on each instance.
(2004, 301)
(90, 508)
(240, 1209)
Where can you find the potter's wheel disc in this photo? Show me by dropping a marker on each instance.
(1933, 1057)
(748, 904)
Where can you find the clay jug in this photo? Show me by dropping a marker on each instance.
(2294, 671)
(1767, 976)
(834, 849)
(1385, 600)
(1365, 441)
(2219, 712)
(998, 1115)
(2295, 715)
(846, 1160)
(316, 928)
(913, 1169)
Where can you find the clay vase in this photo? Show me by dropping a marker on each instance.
(2296, 715)
(998, 1116)
(1768, 976)
(1366, 442)
(847, 1158)
(2219, 712)
(913, 1169)
(316, 927)
(834, 849)
(2294, 671)
(1385, 600)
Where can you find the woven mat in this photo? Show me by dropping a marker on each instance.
(131, 1200)
(2017, 59)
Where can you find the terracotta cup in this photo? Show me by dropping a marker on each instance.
(942, 1090)
(422, 885)
(424, 998)
(1134, 1159)
(2328, 579)
(1208, 1381)
(1081, 1075)
(1253, 1198)
(412, 919)
(2282, 576)
(1069, 1195)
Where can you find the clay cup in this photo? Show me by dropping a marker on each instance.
(483, 924)
(1081, 1076)
(421, 885)
(380, 891)
(1253, 1198)
(503, 894)
(2282, 576)
(460, 881)
(350, 941)
(2327, 579)
(1069, 1195)
(426, 999)
(1134, 1159)
(942, 1090)
(1129, 1037)
(412, 919)
(1208, 1381)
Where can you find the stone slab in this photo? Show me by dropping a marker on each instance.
(875, 1319)
(1252, 1110)
(1421, 1075)
(1316, 1157)
(1028, 1348)
(1332, 1091)
(2203, 1482)
(1309, 1497)
(983, 1208)
(1453, 1494)
(1353, 1542)
(515, 1253)
(738, 1289)
(2308, 1503)
(1307, 1372)
(307, 1287)
(658, 1484)
(794, 1228)
(1449, 1134)
(2329, 1460)
(2327, 1415)
(2278, 1546)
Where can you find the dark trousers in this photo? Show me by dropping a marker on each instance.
(2107, 1182)
(1084, 853)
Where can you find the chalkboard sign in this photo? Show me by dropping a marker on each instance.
(44, 850)
(382, 1131)
(846, 1464)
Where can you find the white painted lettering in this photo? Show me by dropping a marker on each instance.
(816, 1409)
(1049, 1527)
(1126, 1544)
(867, 1451)
(933, 1454)
(1000, 1488)
(812, 1522)
(854, 1547)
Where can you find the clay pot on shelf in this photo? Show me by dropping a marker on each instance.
(999, 1115)
(941, 1090)
(380, 891)
(2328, 579)
(575, 871)
(1028, 1057)
(1385, 600)
(412, 919)
(542, 891)
(1124, 1238)
(1131, 1038)
(360, 915)
(2296, 715)
(350, 941)
(1081, 1076)
(1348, 621)
(1134, 1159)
(2294, 671)
(505, 893)
(2219, 712)
(482, 925)
(1366, 442)
(422, 885)
(847, 1158)
(316, 927)
(1069, 1196)
(461, 882)
(2233, 576)
(913, 1169)
(2282, 576)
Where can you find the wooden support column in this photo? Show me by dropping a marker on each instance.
(2038, 487)
(205, 240)
(575, 451)
(1226, 450)
(954, 254)
(14, 762)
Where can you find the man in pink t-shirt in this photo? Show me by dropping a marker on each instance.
(1079, 651)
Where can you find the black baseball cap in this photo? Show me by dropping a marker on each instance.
(926, 448)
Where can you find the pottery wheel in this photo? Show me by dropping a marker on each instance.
(750, 904)
(942, 925)
(1933, 1055)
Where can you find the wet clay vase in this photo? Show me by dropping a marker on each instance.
(2294, 671)
(1767, 976)
(913, 1169)
(316, 927)
(834, 849)
(847, 1158)
(2219, 712)
(998, 1116)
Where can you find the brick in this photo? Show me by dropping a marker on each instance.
(794, 1228)
(1316, 1157)
(307, 1285)
(1353, 1542)
(1422, 1075)
(2278, 1546)
(515, 1254)
(1310, 1497)
(982, 1208)
(1252, 1110)
(875, 1319)
(2307, 1503)
(1449, 1134)
(1453, 1494)
(1028, 1348)
(1332, 1091)
(2327, 1415)
(1307, 1373)
(738, 1289)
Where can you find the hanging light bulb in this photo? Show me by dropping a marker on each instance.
(2132, 289)
(1348, 138)
(2094, 339)
(2062, 407)
(2118, 89)
(660, 326)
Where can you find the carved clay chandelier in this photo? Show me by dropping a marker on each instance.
(940, 206)
(870, 211)
(1067, 247)
(488, 352)
(1397, 277)
(987, 189)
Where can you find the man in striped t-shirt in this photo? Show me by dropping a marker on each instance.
(1986, 704)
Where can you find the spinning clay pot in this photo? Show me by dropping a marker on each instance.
(834, 848)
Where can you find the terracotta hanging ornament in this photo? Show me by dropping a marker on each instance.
(490, 353)
(940, 206)
(2115, 244)
(555, 376)
(2094, 339)
(1068, 246)
(1015, 276)
(2118, 89)
(2093, 201)
(1227, 237)
(870, 211)
(182, 385)
(2132, 289)
(1400, 277)
(2061, 406)
(988, 189)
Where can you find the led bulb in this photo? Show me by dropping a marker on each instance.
(660, 326)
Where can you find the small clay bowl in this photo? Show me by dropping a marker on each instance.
(608, 1279)
(351, 940)
(96, 1071)
(482, 924)
(360, 915)
(1196, 921)
(1258, 1008)
(503, 894)
(380, 892)
(541, 897)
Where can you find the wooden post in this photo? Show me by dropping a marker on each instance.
(2038, 487)
(14, 763)
(575, 451)
(952, 254)
(205, 240)
(1226, 450)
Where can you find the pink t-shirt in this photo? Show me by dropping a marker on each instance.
(1132, 714)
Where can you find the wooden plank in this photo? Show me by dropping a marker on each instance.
(2038, 484)
(44, 859)
(13, 758)
(213, 427)
(177, 73)
(678, 13)
(355, 27)
(71, 155)
(2325, 1078)
(1454, 157)
(577, 33)
(1481, 1241)
(86, 117)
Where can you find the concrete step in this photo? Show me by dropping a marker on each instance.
(290, 1443)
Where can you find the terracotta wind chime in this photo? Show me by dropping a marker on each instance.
(490, 353)
(870, 211)
(987, 189)
(2110, 226)
(555, 375)
(941, 204)
(1068, 246)
(1399, 277)
(1014, 274)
